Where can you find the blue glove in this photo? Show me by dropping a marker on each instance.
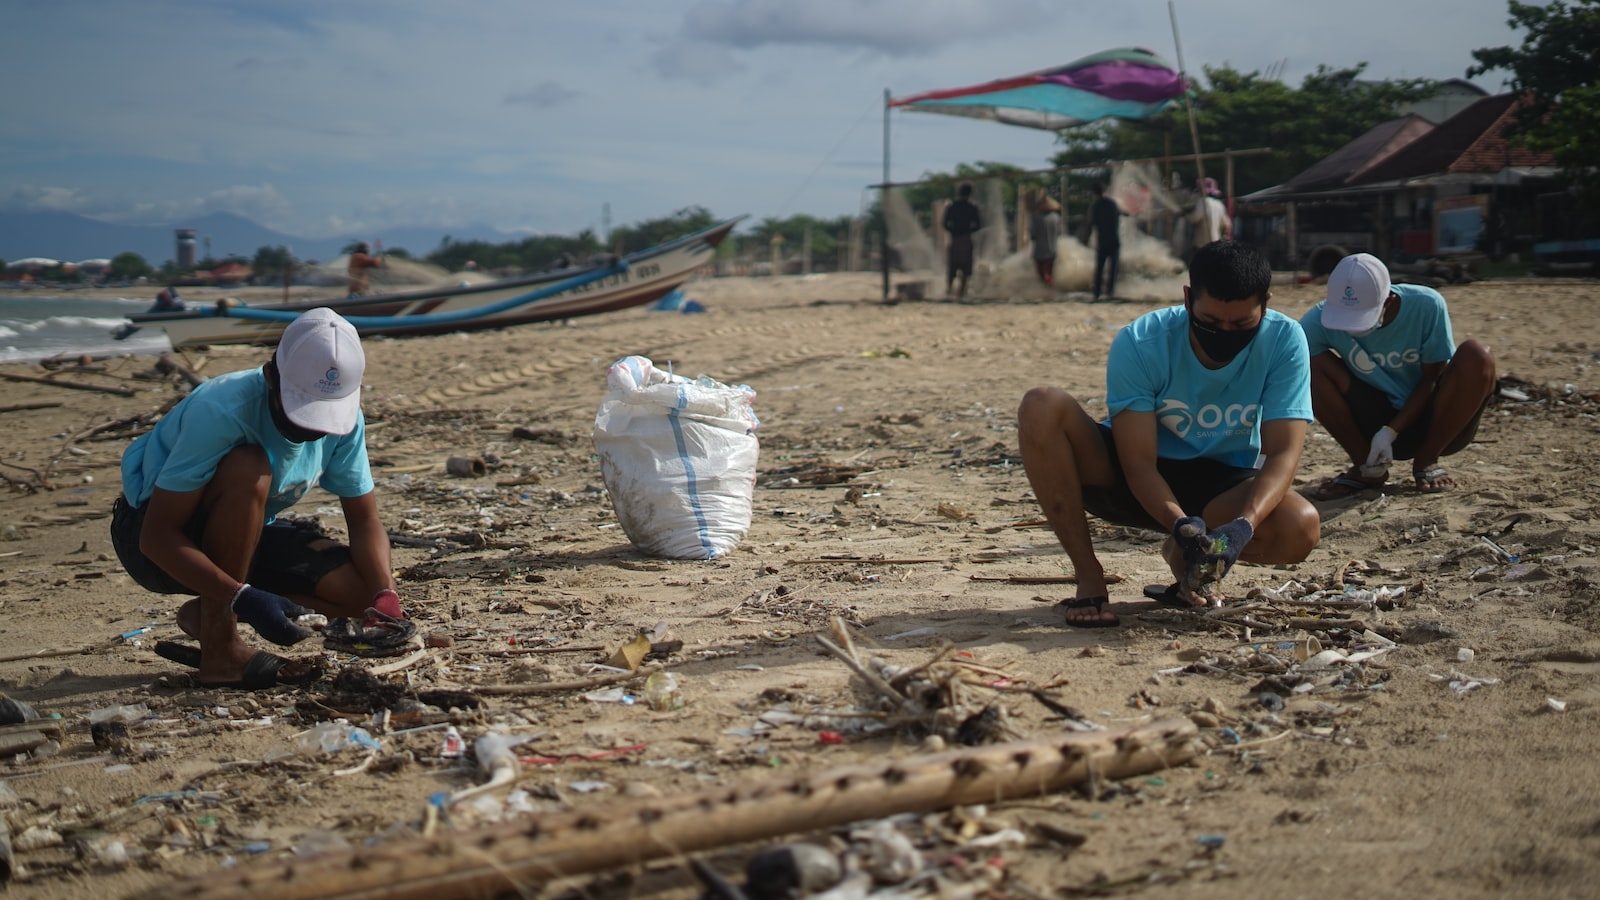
(272, 616)
(1190, 534)
(1228, 541)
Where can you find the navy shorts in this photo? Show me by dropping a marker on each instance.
(285, 562)
(1371, 409)
(1194, 482)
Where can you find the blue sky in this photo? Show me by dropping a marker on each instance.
(342, 117)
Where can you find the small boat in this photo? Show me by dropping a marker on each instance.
(605, 285)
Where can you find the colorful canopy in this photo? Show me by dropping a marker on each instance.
(1128, 83)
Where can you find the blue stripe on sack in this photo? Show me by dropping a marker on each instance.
(688, 473)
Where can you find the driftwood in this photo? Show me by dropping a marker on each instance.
(19, 407)
(75, 385)
(45, 653)
(166, 365)
(516, 855)
(557, 687)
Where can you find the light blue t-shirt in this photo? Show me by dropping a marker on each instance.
(182, 452)
(1391, 358)
(1210, 413)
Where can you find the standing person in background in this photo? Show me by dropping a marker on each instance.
(361, 260)
(1106, 217)
(962, 221)
(1044, 228)
(1210, 216)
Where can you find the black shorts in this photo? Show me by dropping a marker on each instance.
(1194, 482)
(1371, 409)
(285, 562)
(960, 256)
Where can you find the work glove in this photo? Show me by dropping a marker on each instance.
(273, 617)
(1190, 534)
(1226, 542)
(1381, 454)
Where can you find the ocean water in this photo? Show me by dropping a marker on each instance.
(36, 327)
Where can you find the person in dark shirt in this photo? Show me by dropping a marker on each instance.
(961, 220)
(1107, 218)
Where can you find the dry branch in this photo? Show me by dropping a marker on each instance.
(527, 852)
(75, 385)
(556, 687)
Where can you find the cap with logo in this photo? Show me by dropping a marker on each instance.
(320, 364)
(1356, 290)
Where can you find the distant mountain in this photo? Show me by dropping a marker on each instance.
(68, 236)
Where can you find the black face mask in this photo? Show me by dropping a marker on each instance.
(1220, 345)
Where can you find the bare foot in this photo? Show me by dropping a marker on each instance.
(1432, 478)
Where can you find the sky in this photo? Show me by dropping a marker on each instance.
(340, 118)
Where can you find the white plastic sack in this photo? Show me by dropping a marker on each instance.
(678, 458)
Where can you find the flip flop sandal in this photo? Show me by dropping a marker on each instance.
(1168, 597)
(1341, 487)
(1095, 603)
(1426, 479)
(262, 671)
(376, 635)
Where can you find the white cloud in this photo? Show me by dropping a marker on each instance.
(262, 202)
(47, 198)
(699, 62)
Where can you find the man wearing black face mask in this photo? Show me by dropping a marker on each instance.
(200, 493)
(1209, 404)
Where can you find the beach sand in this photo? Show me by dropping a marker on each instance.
(1397, 786)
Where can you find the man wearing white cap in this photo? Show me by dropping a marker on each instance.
(202, 490)
(1387, 379)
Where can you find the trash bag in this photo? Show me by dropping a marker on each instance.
(678, 457)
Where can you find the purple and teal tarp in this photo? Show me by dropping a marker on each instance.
(1129, 83)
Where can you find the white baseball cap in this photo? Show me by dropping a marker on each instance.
(1356, 290)
(320, 364)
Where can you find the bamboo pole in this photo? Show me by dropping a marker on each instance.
(1188, 106)
(75, 385)
(516, 855)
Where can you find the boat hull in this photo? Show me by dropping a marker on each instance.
(651, 274)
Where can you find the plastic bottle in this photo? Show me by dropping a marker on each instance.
(127, 715)
(661, 692)
(332, 737)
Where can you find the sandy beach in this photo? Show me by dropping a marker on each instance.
(1399, 778)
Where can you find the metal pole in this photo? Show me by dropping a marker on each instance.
(1194, 132)
(883, 196)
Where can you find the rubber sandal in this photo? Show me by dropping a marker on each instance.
(376, 635)
(1095, 603)
(262, 671)
(1168, 597)
(1342, 487)
(1427, 480)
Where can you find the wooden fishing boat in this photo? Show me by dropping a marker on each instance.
(609, 284)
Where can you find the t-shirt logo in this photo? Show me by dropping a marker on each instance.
(1367, 363)
(1175, 416)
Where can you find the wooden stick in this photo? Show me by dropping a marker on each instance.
(44, 654)
(166, 365)
(75, 385)
(399, 664)
(556, 687)
(598, 837)
(1040, 579)
(822, 561)
(19, 407)
(871, 678)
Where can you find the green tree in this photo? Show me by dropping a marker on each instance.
(397, 252)
(128, 265)
(1241, 110)
(650, 232)
(1558, 68)
(271, 264)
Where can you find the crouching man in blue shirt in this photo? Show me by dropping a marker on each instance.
(201, 491)
(1388, 381)
(1209, 404)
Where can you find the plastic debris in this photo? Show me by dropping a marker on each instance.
(127, 715)
(454, 747)
(791, 870)
(610, 695)
(8, 797)
(1555, 705)
(1211, 841)
(588, 787)
(889, 857)
(334, 737)
(661, 692)
(1464, 655)
(36, 838)
(109, 853)
(15, 712)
